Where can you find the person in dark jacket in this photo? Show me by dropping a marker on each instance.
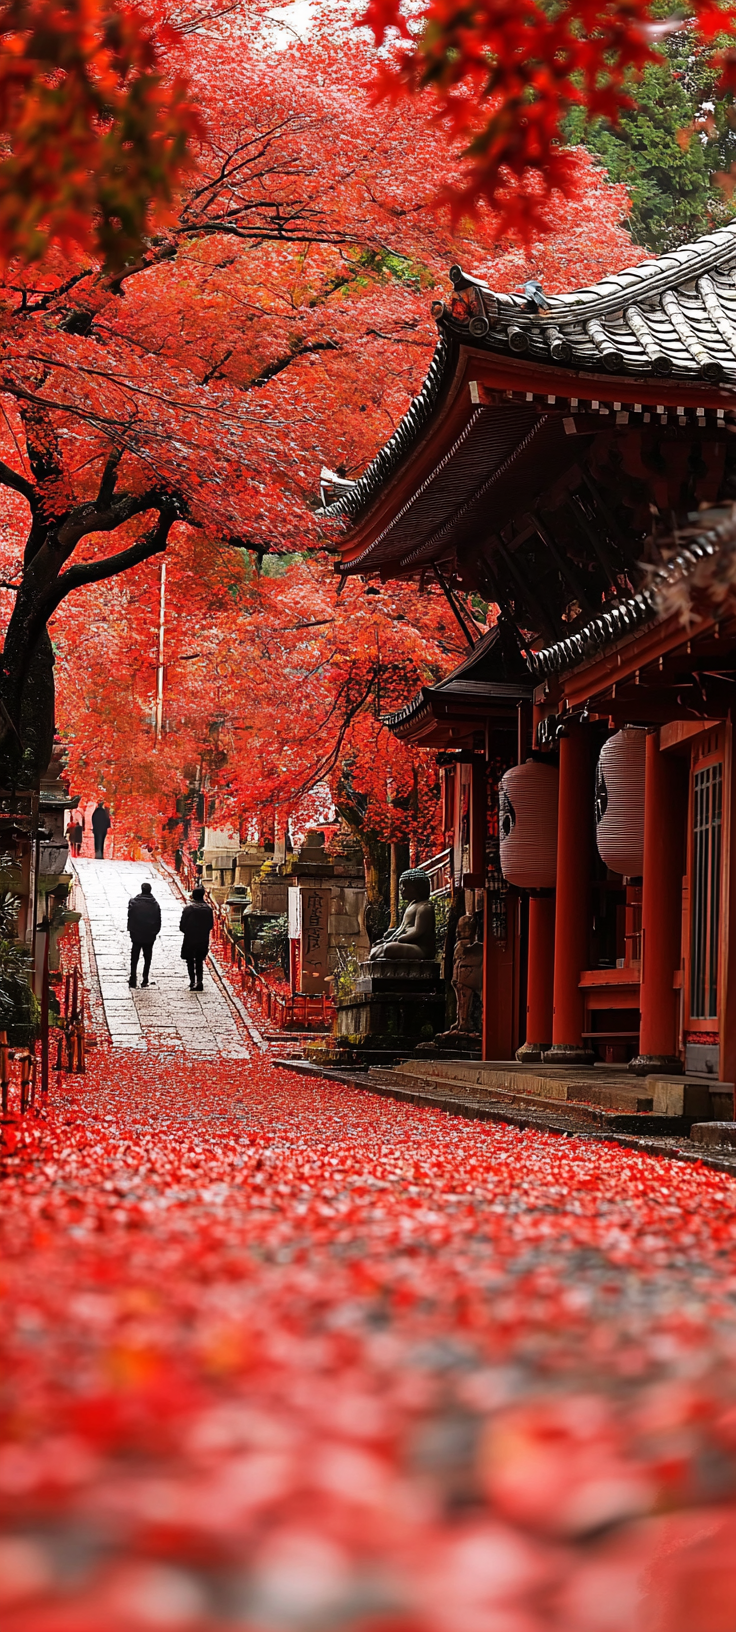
(144, 923)
(197, 923)
(101, 824)
(74, 836)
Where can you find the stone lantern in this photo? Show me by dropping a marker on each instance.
(237, 901)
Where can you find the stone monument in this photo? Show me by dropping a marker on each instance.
(219, 852)
(464, 1036)
(467, 975)
(249, 861)
(312, 860)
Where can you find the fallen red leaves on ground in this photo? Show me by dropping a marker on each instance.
(279, 1355)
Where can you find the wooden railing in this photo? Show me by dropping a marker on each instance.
(439, 871)
(26, 1087)
(25, 1081)
(70, 1043)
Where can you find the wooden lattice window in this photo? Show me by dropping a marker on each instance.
(706, 891)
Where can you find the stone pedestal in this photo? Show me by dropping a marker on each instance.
(455, 1044)
(394, 1004)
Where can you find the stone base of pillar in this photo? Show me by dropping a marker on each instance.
(644, 1065)
(532, 1053)
(568, 1054)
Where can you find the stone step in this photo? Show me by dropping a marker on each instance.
(713, 1133)
(503, 1075)
(551, 1115)
(615, 1091)
(604, 1086)
(631, 1099)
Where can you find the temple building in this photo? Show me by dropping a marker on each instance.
(572, 460)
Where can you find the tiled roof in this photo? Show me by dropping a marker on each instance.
(674, 316)
(624, 616)
(353, 499)
(494, 671)
(468, 692)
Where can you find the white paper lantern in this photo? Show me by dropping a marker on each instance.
(527, 825)
(619, 801)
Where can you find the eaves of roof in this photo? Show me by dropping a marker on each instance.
(624, 617)
(455, 697)
(675, 315)
(670, 317)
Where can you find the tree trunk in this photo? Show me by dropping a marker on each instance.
(28, 695)
(37, 714)
(376, 863)
(27, 679)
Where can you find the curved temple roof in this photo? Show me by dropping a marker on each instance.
(671, 317)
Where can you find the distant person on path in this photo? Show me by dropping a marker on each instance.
(197, 923)
(74, 836)
(144, 923)
(101, 825)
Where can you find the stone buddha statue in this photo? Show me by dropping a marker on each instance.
(415, 939)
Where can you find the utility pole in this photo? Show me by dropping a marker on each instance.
(160, 668)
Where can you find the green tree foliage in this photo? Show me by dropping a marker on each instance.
(674, 150)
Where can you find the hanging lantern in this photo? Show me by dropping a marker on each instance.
(619, 801)
(527, 825)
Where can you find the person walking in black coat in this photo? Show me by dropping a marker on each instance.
(101, 824)
(197, 923)
(144, 923)
(74, 836)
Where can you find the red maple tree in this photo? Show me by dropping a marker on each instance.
(275, 686)
(502, 76)
(280, 321)
(97, 133)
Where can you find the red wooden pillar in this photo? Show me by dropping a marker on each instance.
(665, 796)
(540, 946)
(572, 920)
(500, 983)
(540, 977)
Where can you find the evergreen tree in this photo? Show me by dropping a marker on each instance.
(673, 150)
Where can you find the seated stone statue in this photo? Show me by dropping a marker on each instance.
(415, 938)
(467, 972)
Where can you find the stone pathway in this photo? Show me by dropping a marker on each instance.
(166, 1015)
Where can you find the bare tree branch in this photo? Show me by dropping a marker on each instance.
(272, 369)
(11, 478)
(94, 572)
